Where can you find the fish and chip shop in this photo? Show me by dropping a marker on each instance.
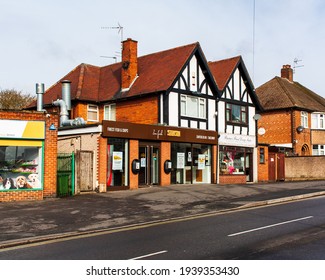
(145, 155)
(22, 157)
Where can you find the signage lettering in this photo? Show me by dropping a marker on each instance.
(173, 133)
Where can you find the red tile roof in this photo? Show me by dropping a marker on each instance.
(280, 93)
(223, 69)
(156, 72)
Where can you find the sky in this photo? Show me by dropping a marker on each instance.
(43, 40)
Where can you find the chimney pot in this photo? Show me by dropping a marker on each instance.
(287, 72)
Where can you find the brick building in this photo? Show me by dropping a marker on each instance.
(292, 120)
(28, 155)
(154, 120)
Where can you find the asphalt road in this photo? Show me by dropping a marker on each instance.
(286, 231)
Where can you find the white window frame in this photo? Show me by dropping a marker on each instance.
(185, 106)
(318, 150)
(304, 119)
(318, 120)
(92, 110)
(111, 113)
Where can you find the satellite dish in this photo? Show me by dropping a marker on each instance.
(256, 117)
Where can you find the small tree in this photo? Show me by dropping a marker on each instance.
(13, 99)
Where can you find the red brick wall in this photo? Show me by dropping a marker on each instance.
(277, 127)
(102, 163)
(232, 179)
(136, 111)
(165, 150)
(50, 156)
(263, 168)
(134, 154)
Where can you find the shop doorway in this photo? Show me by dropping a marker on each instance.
(149, 164)
(249, 167)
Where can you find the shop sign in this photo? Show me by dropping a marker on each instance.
(237, 140)
(16, 129)
(117, 161)
(157, 132)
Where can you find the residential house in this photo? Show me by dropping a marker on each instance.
(292, 121)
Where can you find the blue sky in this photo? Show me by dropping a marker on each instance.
(41, 41)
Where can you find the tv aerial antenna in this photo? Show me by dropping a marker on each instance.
(296, 64)
(119, 27)
(120, 31)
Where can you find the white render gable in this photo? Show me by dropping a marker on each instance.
(191, 102)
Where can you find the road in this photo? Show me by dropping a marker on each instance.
(284, 231)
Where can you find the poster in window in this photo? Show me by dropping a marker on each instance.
(117, 161)
(180, 160)
(201, 162)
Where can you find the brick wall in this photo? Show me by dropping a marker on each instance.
(305, 168)
(277, 127)
(165, 150)
(134, 154)
(232, 179)
(318, 137)
(50, 156)
(263, 168)
(144, 112)
(82, 142)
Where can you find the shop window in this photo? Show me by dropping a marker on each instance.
(236, 113)
(191, 163)
(304, 119)
(92, 113)
(20, 168)
(192, 106)
(232, 161)
(117, 157)
(110, 112)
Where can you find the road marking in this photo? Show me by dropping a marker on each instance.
(269, 226)
(149, 255)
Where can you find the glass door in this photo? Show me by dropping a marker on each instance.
(149, 164)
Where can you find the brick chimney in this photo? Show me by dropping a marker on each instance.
(287, 72)
(129, 63)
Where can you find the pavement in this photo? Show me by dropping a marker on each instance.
(34, 221)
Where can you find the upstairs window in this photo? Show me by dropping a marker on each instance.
(318, 121)
(236, 113)
(304, 119)
(92, 113)
(110, 112)
(192, 106)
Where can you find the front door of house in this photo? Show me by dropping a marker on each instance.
(149, 164)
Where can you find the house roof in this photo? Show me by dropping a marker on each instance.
(280, 93)
(156, 73)
(223, 69)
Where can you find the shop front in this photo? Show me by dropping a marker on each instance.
(21, 155)
(237, 159)
(149, 155)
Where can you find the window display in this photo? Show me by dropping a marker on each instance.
(20, 168)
